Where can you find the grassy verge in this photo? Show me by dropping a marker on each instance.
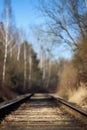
(78, 96)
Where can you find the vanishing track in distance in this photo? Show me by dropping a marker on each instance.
(41, 112)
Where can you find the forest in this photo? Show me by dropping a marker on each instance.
(23, 70)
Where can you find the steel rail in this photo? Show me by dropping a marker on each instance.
(77, 112)
(12, 105)
(30, 114)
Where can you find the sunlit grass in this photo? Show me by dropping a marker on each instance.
(78, 96)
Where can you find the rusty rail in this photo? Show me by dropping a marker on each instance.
(77, 112)
(12, 105)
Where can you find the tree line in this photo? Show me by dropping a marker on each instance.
(65, 23)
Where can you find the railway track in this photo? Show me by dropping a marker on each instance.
(41, 112)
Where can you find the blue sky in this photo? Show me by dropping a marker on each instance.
(24, 12)
(26, 15)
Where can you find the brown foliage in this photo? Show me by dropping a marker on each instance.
(68, 77)
(6, 93)
(80, 60)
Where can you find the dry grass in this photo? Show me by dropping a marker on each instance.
(78, 96)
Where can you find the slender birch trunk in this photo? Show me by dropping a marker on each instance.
(6, 42)
(18, 53)
(30, 67)
(49, 73)
(41, 57)
(5, 60)
(25, 63)
(6, 37)
(49, 69)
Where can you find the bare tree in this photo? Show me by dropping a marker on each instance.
(65, 20)
(30, 65)
(40, 41)
(49, 67)
(18, 43)
(7, 33)
(25, 63)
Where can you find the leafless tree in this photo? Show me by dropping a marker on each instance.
(7, 33)
(30, 65)
(25, 63)
(65, 20)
